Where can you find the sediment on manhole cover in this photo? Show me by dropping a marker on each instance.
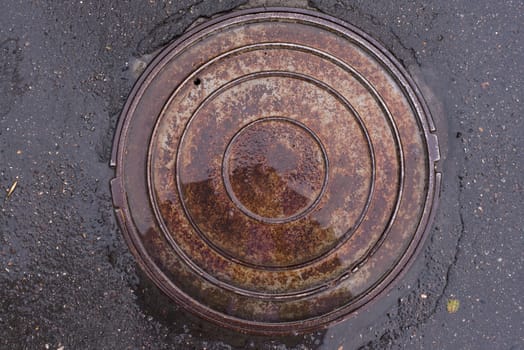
(275, 170)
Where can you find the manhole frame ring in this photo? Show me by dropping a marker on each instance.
(382, 287)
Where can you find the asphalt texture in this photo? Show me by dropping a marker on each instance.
(67, 279)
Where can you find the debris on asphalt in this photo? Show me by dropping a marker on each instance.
(453, 305)
(11, 189)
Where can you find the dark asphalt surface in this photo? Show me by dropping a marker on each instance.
(67, 279)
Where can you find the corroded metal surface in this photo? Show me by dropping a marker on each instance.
(275, 170)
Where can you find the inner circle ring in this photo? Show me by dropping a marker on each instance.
(231, 192)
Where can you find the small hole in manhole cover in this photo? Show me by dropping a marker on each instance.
(290, 192)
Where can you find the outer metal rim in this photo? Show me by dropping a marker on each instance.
(426, 123)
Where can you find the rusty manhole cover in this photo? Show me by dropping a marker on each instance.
(275, 170)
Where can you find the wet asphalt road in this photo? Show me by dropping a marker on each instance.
(67, 279)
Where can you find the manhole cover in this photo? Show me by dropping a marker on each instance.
(275, 170)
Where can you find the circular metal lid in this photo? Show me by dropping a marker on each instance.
(274, 170)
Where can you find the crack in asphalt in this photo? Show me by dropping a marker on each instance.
(457, 248)
(10, 82)
(175, 24)
(411, 50)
